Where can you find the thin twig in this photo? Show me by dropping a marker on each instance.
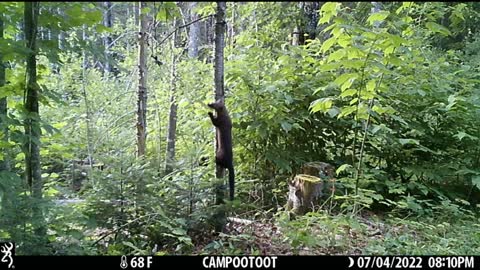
(119, 37)
(179, 27)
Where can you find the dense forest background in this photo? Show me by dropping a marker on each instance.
(107, 148)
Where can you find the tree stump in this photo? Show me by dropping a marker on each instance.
(302, 192)
(307, 188)
(319, 169)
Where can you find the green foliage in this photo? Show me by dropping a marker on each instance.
(167, 11)
(232, 245)
(428, 236)
(320, 233)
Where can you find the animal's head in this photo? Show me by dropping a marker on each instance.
(218, 105)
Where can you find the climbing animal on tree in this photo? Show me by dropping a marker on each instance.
(224, 154)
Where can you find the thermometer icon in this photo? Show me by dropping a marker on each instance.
(123, 262)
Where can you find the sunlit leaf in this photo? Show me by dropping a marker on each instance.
(378, 17)
(343, 168)
(328, 44)
(322, 105)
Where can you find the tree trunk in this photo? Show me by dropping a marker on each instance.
(61, 33)
(311, 11)
(4, 162)
(218, 74)
(107, 40)
(32, 123)
(87, 109)
(142, 85)
(136, 12)
(307, 26)
(219, 46)
(194, 34)
(232, 26)
(296, 36)
(210, 35)
(220, 216)
(172, 118)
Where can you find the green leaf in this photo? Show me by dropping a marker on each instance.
(389, 50)
(337, 32)
(437, 28)
(342, 168)
(397, 41)
(408, 141)
(347, 111)
(352, 63)
(145, 10)
(349, 92)
(452, 100)
(397, 190)
(322, 104)
(284, 60)
(379, 16)
(130, 245)
(100, 28)
(337, 55)
(376, 128)
(327, 11)
(297, 126)
(355, 53)
(320, 89)
(50, 192)
(329, 66)
(328, 44)
(366, 95)
(342, 79)
(460, 135)
(74, 12)
(344, 41)
(162, 15)
(378, 109)
(405, 5)
(208, 9)
(371, 85)
(329, 7)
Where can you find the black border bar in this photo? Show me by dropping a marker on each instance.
(244, 262)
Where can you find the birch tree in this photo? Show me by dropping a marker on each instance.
(172, 116)
(107, 39)
(142, 84)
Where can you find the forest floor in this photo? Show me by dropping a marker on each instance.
(453, 232)
(368, 233)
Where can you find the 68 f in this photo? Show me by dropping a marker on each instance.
(136, 262)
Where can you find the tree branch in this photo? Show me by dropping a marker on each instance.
(180, 27)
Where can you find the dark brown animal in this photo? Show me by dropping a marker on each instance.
(224, 154)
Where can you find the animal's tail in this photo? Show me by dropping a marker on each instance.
(231, 181)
